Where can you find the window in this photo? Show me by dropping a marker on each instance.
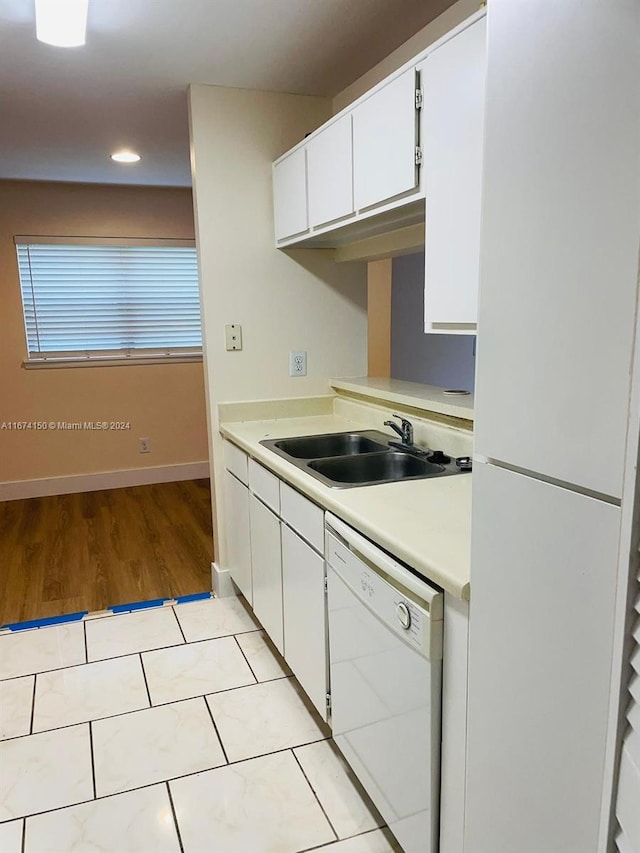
(96, 300)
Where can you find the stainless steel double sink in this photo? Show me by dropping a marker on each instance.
(360, 458)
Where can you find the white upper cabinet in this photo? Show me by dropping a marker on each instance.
(359, 175)
(290, 195)
(330, 173)
(560, 232)
(385, 135)
(453, 84)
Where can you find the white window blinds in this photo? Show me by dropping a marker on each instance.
(109, 299)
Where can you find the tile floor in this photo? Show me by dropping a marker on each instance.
(177, 728)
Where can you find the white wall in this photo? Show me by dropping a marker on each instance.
(293, 300)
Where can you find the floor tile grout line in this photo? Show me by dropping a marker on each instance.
(93, 763)
(33, 706)
(26, 817)
(246, 659)
(215, 728)
(134, 710)
(348, 838)
(273, 752)
(314, 792)
(146, 683)
(126, 654)
(130, 654)
(175, 616)
(86, 646)
(175, 817)
(159, 782)
(158, 705)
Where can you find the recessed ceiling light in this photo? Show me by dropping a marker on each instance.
(125, 157)
(62, 23)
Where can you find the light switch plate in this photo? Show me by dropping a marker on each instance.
(233, 337)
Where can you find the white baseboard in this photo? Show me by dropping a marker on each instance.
(104, 480)
(221, 582)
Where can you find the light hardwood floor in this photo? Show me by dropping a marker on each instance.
(92, 550)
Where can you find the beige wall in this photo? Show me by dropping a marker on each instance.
(379, 317)
(165, 403)
(284, 300)
(441, 25)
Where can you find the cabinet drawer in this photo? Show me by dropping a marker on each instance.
(235, 460)
(264, 485)
(303, 516)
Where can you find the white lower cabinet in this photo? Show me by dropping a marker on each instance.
(275, 554)
(237, 530)
(266, 563)
(305, 623)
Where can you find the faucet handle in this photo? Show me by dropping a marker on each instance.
(406, 431)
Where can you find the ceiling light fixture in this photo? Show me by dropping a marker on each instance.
(125, 157)
(62, 23)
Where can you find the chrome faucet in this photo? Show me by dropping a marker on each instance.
(405, 431)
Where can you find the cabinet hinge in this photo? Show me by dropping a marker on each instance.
(418, 155)
(328, 701)
(326, 584)
(418, 99)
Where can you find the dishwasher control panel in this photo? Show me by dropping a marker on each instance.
(400, 610)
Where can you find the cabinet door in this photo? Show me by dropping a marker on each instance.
(290, 195)
(543, 580)
(560, 231)
(385, 132)
(453, 83)
(266, 564)
(330, 173)
(237, 534)
(305, 626)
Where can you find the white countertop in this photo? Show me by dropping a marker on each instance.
(430, 398)
(424, 523)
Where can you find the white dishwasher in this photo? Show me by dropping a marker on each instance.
(385, 642)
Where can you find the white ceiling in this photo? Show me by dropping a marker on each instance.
(63, 111)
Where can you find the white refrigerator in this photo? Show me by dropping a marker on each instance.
(558, 291)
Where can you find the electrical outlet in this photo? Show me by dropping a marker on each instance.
(144, 445)
(233, 337)
(298, 363)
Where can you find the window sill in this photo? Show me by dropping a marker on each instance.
(54, 363)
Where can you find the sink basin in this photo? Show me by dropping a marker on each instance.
(334, 444)
(356, 458)
(374, 468)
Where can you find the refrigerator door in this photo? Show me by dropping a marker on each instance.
(560, 231)
(540, 645)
